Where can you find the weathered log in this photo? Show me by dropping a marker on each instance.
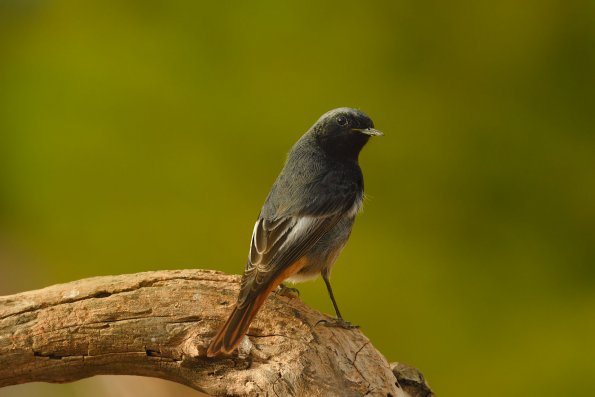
(159, 324)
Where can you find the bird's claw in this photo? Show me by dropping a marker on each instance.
(289, 292)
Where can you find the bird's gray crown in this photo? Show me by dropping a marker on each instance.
(355, 117)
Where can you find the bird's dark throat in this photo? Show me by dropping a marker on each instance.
(344, 146)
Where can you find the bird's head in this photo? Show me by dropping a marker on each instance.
(343, 132)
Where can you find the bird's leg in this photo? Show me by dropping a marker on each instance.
(327, 281)
(289, 292)
(337, 322)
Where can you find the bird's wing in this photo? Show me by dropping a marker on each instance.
(276, 244)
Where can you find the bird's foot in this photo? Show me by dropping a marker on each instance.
(337, 322)
(289, 292)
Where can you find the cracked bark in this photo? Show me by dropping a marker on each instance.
(159, 324)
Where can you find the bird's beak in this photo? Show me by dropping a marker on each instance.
(369, 131)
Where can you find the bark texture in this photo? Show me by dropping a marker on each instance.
(159, 324)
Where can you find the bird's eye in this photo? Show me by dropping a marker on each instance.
(341, 120)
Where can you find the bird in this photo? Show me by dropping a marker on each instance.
(306, 219)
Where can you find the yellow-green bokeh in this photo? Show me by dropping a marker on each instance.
(145, 135)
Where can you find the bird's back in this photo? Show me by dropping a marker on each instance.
(312, 184)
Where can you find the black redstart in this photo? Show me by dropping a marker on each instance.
(306, 219)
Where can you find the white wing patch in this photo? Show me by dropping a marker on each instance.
(302, 226)
(253, 242)
(265, 236)
(275, 238)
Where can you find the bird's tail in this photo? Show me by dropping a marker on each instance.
(231, 334)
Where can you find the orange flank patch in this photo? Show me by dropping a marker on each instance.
(288, 272)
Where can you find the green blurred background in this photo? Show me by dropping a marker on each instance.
(145, 135)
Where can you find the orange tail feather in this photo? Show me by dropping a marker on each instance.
(230, 336)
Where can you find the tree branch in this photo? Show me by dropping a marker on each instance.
(159, 324)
